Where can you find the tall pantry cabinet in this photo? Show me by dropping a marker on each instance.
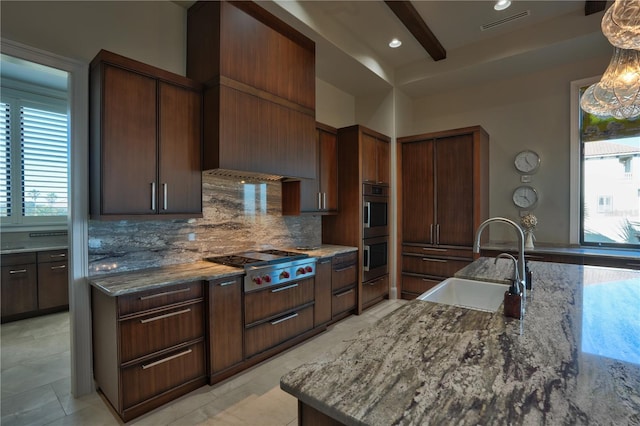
(444, 196)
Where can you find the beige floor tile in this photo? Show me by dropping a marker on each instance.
(35, 380)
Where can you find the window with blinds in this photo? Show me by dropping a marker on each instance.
(34, 159)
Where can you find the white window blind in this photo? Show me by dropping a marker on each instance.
(5, 161)
(44, 162)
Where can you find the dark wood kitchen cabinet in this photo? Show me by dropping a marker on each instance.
(224, 319)
(344, 285)
(320, 195)
(363, 157)
(148, 347)
(277, 314)
(323, 292)
(375, 159)
(259, 100)
(145, 141)
(444, 197)
(53, 279)
(19, 284)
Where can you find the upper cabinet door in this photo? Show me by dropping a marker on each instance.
(328, 170)
(455, 183)
(128, 145)
(383, 160)
(180, 154)
(375, 160)
(418, 219)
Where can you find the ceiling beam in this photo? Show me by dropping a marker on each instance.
(411, 19)
(593, 6)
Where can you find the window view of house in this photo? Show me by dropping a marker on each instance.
(611, 183)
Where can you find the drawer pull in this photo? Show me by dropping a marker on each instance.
(166, 293)
(434, 260)
(226, 283)
(635, 265)
(170, 314)
(285, 288)
(169, 358)
(372, 283)
(324, 262)
(59, 267)
(346, 292)
(287, 318)
(18, 271)
(433, 249)
(345, 268)
(53, 256)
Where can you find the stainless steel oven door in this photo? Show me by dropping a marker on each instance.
(375, 217)
(375, 258)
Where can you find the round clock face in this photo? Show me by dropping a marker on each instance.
(525, 197)
(527, 161)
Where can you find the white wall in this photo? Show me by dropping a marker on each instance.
(528, 112)
(153, 32)
(334, 107)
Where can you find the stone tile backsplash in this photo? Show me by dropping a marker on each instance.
(236, 217)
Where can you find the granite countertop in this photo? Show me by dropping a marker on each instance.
(573, 359)
(147, 279)
(127, 282)
(581, 251)
(30, 247)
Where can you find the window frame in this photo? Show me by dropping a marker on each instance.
(20, 94)
(576, 173)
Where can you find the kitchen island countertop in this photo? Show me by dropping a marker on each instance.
(574, 359)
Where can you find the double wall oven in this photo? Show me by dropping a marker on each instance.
(375, 230)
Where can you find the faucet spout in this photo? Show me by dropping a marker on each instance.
(516, 277)
(520, 267)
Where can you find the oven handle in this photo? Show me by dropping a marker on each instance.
(367, 257)
(367, 214)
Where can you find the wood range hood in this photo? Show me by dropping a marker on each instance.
(259, 96)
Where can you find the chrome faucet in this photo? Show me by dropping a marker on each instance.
(520, 267)
(516, 277)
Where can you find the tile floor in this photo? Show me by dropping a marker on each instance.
(35, 380)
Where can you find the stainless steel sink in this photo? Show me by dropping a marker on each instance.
(470, 294)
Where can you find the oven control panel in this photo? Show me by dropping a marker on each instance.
(270, 275)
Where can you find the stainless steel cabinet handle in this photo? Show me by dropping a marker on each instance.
(285, 288)
(374, 282)
(324, 200)
(169, 358)
(367, 257)
(166, 293)
(345, 268)
(426, 259)
(287, 318)
(226, 283)
(319, 201)
(153, 196)
(59, 267)
(438, 234)
(433, 249)
(170, 314)
(18, 271)
(55, 256)
(367, 214)
(344, 293)
(324, 262)
(431, 234)
(165, 203)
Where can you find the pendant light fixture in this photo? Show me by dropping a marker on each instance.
(617, 94)
(621, 24)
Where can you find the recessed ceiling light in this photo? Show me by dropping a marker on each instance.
(502, 4)
(395, 43)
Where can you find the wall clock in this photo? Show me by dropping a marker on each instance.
(525, 196)
(527, 161)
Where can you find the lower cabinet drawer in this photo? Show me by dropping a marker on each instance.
(415, 285)
(375, 289)
(266, 303)
(344, 274)
(343, 300)
(159, 297)
(271, 333)
(145, 380)
(161, 329)
(433, 266)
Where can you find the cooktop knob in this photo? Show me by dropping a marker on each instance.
(257, 280)
(284, 274)
(267, 279)
(300, 271)
(308, 269)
